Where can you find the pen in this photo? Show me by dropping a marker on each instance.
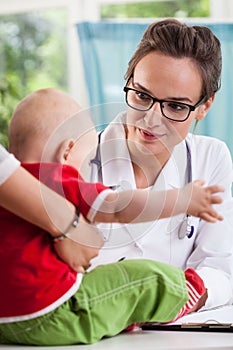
(206, 325)
(121, 259)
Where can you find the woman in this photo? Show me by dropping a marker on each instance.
(171, 82)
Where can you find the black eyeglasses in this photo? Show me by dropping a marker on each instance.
(172, 110)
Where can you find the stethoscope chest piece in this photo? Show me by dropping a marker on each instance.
(186, 229)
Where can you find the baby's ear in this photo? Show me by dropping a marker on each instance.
(63, 151)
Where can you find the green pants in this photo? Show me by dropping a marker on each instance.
(110, 298)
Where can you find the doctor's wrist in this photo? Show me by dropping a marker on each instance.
(68, 231)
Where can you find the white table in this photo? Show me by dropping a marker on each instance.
(150, 340)
(160, 340)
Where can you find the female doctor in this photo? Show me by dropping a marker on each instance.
(171, 82)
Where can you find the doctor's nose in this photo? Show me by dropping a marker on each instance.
(153, 117)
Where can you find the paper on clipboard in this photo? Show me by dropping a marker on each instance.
(222, 314)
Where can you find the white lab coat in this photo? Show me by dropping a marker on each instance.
(209, 250)
(8, 164)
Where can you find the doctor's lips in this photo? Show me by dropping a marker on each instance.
(149, 136)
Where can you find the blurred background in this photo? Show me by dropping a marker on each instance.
(83, 47)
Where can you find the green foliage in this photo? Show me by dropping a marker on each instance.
(173, 8)
(8, 98)
(30, 56)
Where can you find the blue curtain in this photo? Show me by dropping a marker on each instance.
(106, 49)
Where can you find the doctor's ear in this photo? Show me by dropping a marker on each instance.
(204, 108)
(64, 150)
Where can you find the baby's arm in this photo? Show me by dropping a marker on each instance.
(145, 205)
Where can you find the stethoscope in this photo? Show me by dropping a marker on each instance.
(186, 228)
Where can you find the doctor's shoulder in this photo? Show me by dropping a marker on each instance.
(211, 160)
(208, 146)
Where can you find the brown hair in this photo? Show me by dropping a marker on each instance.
(176, 39)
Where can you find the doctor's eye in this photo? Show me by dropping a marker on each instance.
(176, 107)
(142, 96)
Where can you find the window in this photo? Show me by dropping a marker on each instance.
(166, 8)
(30, 51)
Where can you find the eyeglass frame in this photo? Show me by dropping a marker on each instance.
(155, 99)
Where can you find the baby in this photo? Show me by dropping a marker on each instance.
(43, 301)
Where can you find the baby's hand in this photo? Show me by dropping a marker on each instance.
(201, 200)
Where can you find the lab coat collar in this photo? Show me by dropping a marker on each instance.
(117, 166)
(175, 171)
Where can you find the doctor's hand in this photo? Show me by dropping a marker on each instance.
(80, 247)
(201, 200)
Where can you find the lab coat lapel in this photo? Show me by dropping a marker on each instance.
(175, 172)
(116, 164)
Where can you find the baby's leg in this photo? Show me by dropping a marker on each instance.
(114, 296)
(197, 293)
(111, 297)
(197, 297)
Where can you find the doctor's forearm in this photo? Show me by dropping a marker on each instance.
(26, 197)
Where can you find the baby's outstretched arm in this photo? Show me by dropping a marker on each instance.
(134, 206)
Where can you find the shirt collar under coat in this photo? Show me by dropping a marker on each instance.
(117, 167)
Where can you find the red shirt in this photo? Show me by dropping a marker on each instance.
(32, 275)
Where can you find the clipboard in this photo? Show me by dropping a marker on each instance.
(218, 319)
(189, 327)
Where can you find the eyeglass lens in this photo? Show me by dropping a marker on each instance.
(170, 109)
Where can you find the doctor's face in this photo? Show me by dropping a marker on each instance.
(165, 78)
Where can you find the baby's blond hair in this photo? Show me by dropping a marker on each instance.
(41, 121)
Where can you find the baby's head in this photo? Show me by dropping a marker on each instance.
(48, 125)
